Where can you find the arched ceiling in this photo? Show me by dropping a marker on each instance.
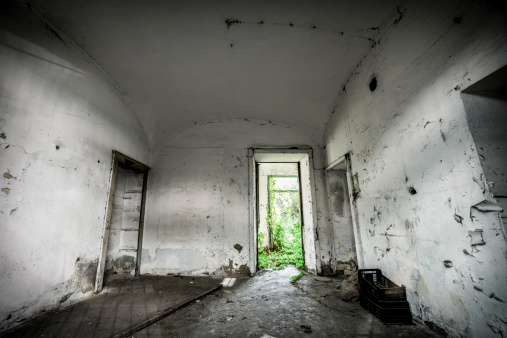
(183, 62)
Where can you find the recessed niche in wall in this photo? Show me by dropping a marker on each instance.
(486, 109)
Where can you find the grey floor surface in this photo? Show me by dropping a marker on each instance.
(267, 305)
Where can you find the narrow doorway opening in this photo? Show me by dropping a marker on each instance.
(346, 248)
(300, 161)
(121, 246)
(279, 233)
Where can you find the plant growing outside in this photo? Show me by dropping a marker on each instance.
(284, 225)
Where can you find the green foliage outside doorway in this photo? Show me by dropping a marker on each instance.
(284, 225)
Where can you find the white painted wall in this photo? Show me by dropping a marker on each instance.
(412, 132)
(265, 170)
(60, 119)
(197, 207)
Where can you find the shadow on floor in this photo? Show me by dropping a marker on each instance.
(267, 305)
(123, 304)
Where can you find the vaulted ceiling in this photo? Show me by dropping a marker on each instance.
(182, 62)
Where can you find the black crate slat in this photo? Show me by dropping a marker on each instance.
(383, 298)
(387, 315)
(379, 286)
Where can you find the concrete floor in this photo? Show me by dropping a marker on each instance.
(267, 305)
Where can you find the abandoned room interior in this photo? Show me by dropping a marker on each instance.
(139, 138)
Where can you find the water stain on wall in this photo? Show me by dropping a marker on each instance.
(230, 270)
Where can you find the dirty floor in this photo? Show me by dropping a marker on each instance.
(267, 305)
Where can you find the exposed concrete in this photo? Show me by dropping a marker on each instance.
(276, 308)
(417, 165)
(60, 117)
(268, 305)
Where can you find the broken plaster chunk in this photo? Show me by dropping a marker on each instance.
(476, 237)
(458, 218)
(448, 264)
(493, 327)
(488, 206)
(498, 299)
(478, 287)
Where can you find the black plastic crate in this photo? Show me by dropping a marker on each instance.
(391, 315)
(386, 304)
(380, 288)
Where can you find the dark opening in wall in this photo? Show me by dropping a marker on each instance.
(373, 84)
(486, 110)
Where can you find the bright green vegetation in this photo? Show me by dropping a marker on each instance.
(284, 225)
(293, 279)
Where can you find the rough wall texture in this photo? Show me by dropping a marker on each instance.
(124, 228)
(60, 118)
(343, 254)
(418, 169)
(197, 211)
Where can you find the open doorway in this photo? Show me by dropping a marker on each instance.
(301, 162)
(345, 243)
(279, 234)
(122, 238)
(122, 247)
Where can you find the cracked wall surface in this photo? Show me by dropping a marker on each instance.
(60, 119)
(417, 165)
(197, 210)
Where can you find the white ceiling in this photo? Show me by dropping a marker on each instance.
(179, 63)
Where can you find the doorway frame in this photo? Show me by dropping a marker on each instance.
(120, 160)
(345, 161)
(305, 153)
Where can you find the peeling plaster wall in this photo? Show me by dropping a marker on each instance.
(487, 119)
(197, 210)
(419, 173)
(60, 119)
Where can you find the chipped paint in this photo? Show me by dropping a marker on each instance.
(52, 200)
(418, 164)
(198, 195)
